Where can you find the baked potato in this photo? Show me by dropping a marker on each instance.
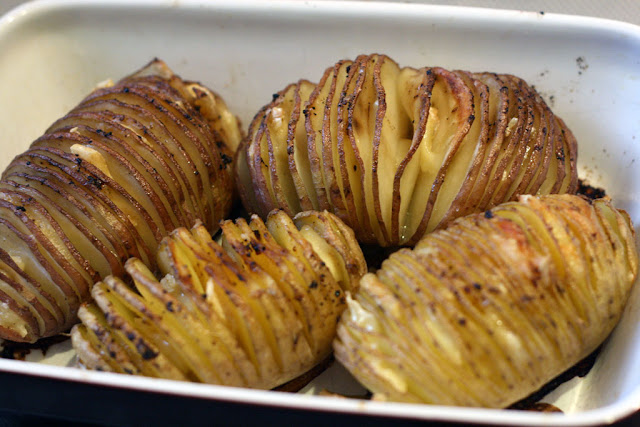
(133, 161)
(257, 310)
(488, 310)
(398, 152)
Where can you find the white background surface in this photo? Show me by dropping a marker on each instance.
(621, 10)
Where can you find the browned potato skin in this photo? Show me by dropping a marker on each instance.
(257, 310)
(399, 152)
(488, 310)
(133, 161)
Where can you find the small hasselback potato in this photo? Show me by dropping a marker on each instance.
(257, 310)
(488, 310)
(132, 162)
(398, 152)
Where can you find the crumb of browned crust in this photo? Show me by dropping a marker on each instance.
(590, 191)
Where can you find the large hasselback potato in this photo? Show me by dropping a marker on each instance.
(488, 310)
(256, 310)
(107, 182)
(398, 152)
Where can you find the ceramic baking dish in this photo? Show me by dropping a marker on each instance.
(54, 52)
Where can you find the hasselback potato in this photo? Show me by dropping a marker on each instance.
(256, 310)
(488, 310)
(133, 161)
(398, 152)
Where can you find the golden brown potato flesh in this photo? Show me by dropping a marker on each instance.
(398, 152)
(256, 310)
(132, 162)
(486, 311)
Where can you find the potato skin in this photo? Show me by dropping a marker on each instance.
(133, 161)
(257, 310)
(488, 310)
(398, 152)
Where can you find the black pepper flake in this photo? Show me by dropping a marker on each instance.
(94, 181)
(147, 353)
(21, 208)
(79, 161)
(488, 214)
(348, 68)
(125, 89)
(170, 306)
(196, 173)
(290, 148)
(337, 293)
(225, 161)
(257, 247)
(582, 63)
(103, 133)
(313, 285)
(28, 163)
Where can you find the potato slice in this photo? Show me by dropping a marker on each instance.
(398, 152)
(488, 310)
(133, 161)
(257, 310)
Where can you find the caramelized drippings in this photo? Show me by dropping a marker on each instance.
(580, 369)
(300, 382)
(590, 191)
(19, 351)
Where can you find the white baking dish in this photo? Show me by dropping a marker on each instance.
(53, 52)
